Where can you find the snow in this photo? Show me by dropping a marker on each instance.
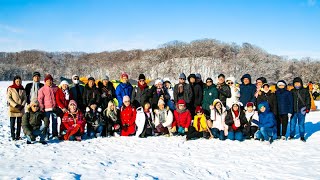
(159, 157)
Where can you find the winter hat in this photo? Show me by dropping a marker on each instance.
(142, 76)
(232, 79)
(91, 79)
(221, 75)
(198, 76)
(73, 102)
(297, 79)
(161, 102)
(73, 76)
(248, 76)
(34, 102)
(250, 104)
(199, 109)
(209, 79)
(123, 75)
(36, 74)
(126, 98)
(64, 82)
(48, 77)
(165, 80)
(106, 77)
(181, 101)
(261, 105)
(216, 101)
(158, 81)
(182, 76)
(281, 83)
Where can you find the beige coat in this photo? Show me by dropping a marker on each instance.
(14, 98)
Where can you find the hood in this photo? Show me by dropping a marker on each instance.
(246, 76)
(266, 105)
(281, 82)
(298, 79)
(217, 101)
(191, 76)
(232, 79)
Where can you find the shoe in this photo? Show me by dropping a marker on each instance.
(302, 139)
(29, 142)
(78, 138)
(43, 142)
(283, 138)
(18, 138)
(291, 137)
(271, 140)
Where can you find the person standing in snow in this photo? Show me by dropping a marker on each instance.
(235, 92)
(223, 89)
(265, 94)
(301, 106)
(259, 82)
(168, 87)
(77, 92)
(33, 87)
(199, 128)
(247, 90)
(182, 90)
(107, 91)
(182, 118)
(217, 122)
(210, 93)
(91, 93)
(17, 99)
(199, 80)
(163, 119)
(197, 92)
(63, 97)
(236, 120)
(252, 117)
(123, 89)
(140, 94)
(285, 108)
(128, 117)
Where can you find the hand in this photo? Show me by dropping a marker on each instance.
(173, 129)
(99, 109)
(289, 115)
(87, 109)
(64, 110)
(18, 106)
(103, 95)
(185, 129)
(211, 107)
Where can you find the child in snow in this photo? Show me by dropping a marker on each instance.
(163, 119)
(217, 123)
(252, 121)
(95, 122)
(145, 121)
(128, 117)
(236, 120)
(182, 118)
(267, 123)
(111, 115)
(199, 128)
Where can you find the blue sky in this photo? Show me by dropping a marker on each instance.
(282, 27)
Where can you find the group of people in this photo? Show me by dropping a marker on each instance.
(196, 109)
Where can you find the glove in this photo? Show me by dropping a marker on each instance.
(99, 109)
(173, 129)
(103, 95)
(307, 111)
(87, 109)
(32, 137)
(185, 129)
(18, 106)
(289, 115)
(116, 127)
(303, 111)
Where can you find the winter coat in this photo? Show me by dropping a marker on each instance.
(210, 93)
(197, 94)
(61, 99)
(218, 120)
(14, 98)
(271, 98)
(72, 123)
(224, 93)
(267, 118)
(32, 121)
(155, 96)
(247, 91)
(139, 97)
(78, 97)
(90, 94)
(234, 97)
(107, 93)
(168, 118)
(252, 118)
(186, 95)
(94, 119)
(200, 123)
(123, 90)
(128, 118)
(28, 90)
(230, 121)
(141, 119)
(305, 95)
(182, 119)
(284, 101)
(46, 97)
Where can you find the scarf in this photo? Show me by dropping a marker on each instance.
(162, 116)
(236, 118)
(181, 111)
(142, 87)
(15, 86)
(112, 115)
(199, 123)
(34, 91)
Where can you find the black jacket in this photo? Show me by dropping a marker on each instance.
(155, 96)
(230, 121)
(139, 97)
(224, 93)
(298, 104)
(28, 90)
(91, 94)
(271, 98)
(107, 93)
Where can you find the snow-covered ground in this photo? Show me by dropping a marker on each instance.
(159, 157)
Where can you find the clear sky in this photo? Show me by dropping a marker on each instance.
(282, 27)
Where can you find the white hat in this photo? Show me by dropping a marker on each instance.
(158, 81)
(232, 79)
(64, 82)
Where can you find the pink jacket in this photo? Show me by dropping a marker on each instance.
(46, 97)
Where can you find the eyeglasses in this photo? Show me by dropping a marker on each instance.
(35, 106)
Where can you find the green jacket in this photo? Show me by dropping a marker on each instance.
(209, 95)
(32, 121)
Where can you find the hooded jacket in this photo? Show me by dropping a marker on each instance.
(267, 118)
(247, 91)
(298, 104)
(32, 121)
(123, 89)
(284, 100)
(182, 118)
(210, 93)
(218, 120)
(231, 118)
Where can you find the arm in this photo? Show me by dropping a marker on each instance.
(229, 119)
(9, 98)
(133, 117)
(25, 124)
(119, 95)
(225, 91)
(41, 98)
(290, 102)
(169, 119)
(24, 98)
(189, 119)
(175, 93)
(308, 100)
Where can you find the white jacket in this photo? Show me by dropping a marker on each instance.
(252, 116)
(168, 118)
(141, 119)
(235, 95)
(218, 120)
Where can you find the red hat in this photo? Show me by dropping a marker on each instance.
(181, 101)
(48, 76)
(124, 75)
(199, 109)
(250, 104)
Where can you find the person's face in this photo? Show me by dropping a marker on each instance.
(93, 106)
(105, 82)
(181, 106)
(250, 109)
(72, 108)
(235, 107)
(198, 80)
(246, 81)
(230, 83)
(91, 83)
(281, 86)
(49, 82)
(34, 107)
(124, 79)
(218, 106)
(159, 85)
(161, 106)
(199, 113)
(192, 80)
(147, 106)
(126, 103)
(297, 84)
(36, 78)
(167, 84)
(265, 88)
(259, 83)
(182, 80)
(64, 86)
(262, 109)
(112, 107)
(142, 81)
(17, 82)
(221, 79)
(209, 83)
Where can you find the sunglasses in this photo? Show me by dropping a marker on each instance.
(182, 79)
(35, 106)
(76, 78)
(230, 83)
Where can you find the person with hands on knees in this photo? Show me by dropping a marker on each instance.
(235, 120)
(128, 117)
(144, 121)
(301, 106)
(163, 119)
(95, 122)
(35, 123)
(73, 123)
(182, 118)
(267, 123)
(199, 128)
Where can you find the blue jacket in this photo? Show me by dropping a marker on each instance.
(247, 91)
(266, 118)
(284, 101)
(123, 90)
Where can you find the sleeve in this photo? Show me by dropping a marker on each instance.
(58, 99)
(169, 119)
(190, 94)
(25, 124)
(133, 95)
(119, 96)
(253, 98)
(225, 91)
(199, 96)
(243, 119)
(229, 119)
(290, 102)
(189, 119)
(175, 93)
(275, 104)
(40, 98)
(9, 98)
(308, 100)
(24, 98)
(133, 117)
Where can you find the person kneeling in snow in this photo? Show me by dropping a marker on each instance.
(73, 123)
(95, 122)
(32, 123)
(267, 123)
(163, 119)
(236, 120)
(128, 117)
(182, 118)
(253, 120)
(199, 128)
(217, 123)
(145, 121)
(111, 115)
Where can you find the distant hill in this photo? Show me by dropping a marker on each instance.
(208, 57)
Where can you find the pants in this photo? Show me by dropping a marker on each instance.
(282, 120)
(218, 134)
(37, 133)
(235, 135)
(193, 133)
(95, 133)
(109, 130)
(266, 133)
(53, 121)
(301, 119)
(249, 131)
(14, 135)
(161, 130)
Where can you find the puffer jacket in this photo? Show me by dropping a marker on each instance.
(32, 121)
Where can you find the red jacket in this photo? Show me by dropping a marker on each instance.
(72, 124)
(61, 99)
(128, 116)
(182, 119)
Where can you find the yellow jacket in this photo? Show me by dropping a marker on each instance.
(203, 123)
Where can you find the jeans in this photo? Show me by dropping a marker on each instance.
(13, 128)
(54, 122)
(95, 133)
(266, 133)
(218, 134)
(301, 119)
(235, 135)
(37, 133)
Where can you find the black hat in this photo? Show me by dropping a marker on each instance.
(141, 76)
(92, 101)
(209, 79)
(221, 75)
(36, 74)
(91, 78)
